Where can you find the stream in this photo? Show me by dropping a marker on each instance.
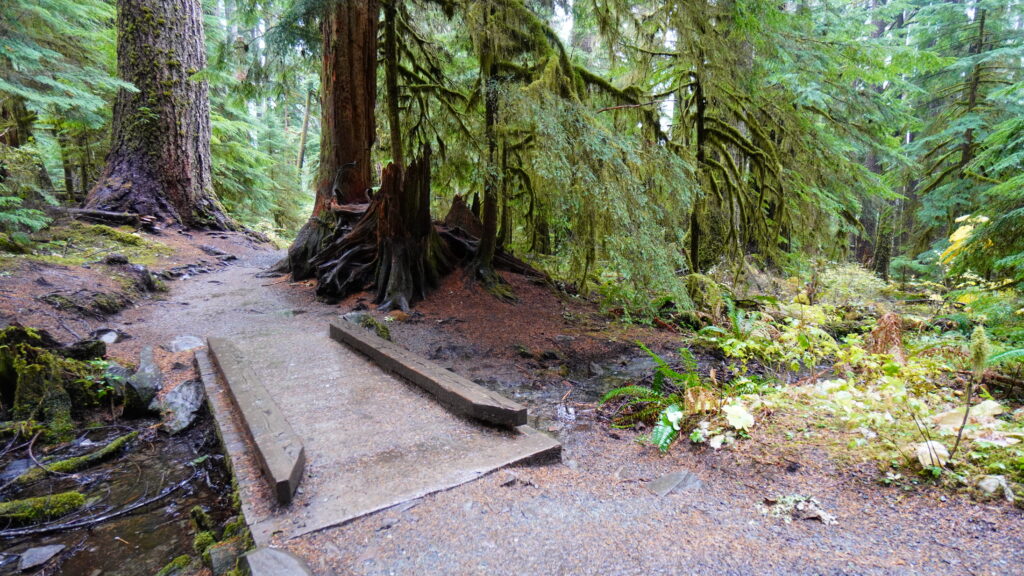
(141, 542)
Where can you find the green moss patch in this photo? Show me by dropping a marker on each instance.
(30, 510)
(79, 243)
(38, 383)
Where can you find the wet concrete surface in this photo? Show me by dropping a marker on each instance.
(372, 440)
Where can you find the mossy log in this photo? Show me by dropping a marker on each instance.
(31, 510)
(77, 463)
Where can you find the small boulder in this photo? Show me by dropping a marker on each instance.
(680, 481)
(994, 486)
(116, 259)
(186, 342)
(35, 557)
(267, 561)
(224, 555)
(181, 405)
(142, 386)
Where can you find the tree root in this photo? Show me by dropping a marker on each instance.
(77, 463)
(99, 519)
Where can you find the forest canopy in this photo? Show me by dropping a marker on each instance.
(616, 145)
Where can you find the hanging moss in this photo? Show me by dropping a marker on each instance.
(30, 510)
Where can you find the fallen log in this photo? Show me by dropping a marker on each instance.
(103, 216)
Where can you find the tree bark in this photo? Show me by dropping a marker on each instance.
(393, 246)
(305, 132)
(159, 160)
(391, 79)
(348, 94)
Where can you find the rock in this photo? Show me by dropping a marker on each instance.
(143, 278)
(931, 453)
(995, 487)
(35, 557)
(84, 350)
(679, 481)
(142, 386)
(186, 342)
(117, 376)
(116, 259)
(354, 317)
(108, 335)
(212, 250)
(223, 555)
(181, 405)
(271, 561)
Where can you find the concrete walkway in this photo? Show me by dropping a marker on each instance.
(372, 440)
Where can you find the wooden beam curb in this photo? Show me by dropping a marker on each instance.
(459, 394)
(279, 450)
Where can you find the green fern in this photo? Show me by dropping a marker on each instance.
(1008, 356)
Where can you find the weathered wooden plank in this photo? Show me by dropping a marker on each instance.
(460, 394)
(278, 449)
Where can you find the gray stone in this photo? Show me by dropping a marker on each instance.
(143, 386)
(354, 317)
(186, 342)
(223, 555)
(995, 486)
(108, 335)
(35, 557)
(181, 405)
(680, 481)
(274, 562)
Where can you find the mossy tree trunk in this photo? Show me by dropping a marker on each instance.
(483, 264)
(348, 94)
(159, 159)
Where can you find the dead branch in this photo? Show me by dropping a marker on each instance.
(89, 522)
(626, 106)
(102, 216)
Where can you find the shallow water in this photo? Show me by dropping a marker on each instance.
(140, 543)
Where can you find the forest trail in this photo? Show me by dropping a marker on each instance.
(594, 513)
(371, 440)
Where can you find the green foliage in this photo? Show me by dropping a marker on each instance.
(673, 396)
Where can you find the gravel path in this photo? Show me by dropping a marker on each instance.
(593, 513)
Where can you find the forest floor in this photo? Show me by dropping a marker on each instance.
(594, 512)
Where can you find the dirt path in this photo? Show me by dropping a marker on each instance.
(593, 513)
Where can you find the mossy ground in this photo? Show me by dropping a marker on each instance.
(77, 243)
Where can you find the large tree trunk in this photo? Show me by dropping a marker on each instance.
(348, 94)
(159, 159)
(393, 246)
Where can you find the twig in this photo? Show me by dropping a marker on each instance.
(967, 413)
(33, 457)
(60, 527)
(625, 106)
